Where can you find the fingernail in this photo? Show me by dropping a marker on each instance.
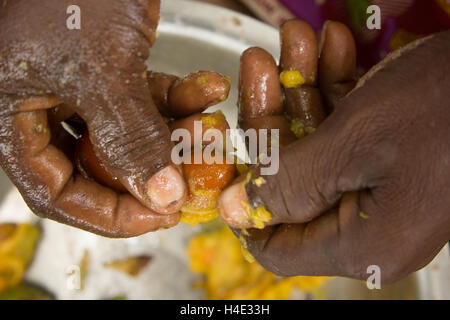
(233, 208)
(166, 191)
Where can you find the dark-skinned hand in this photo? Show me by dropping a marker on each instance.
(94, 77)
(371, 185)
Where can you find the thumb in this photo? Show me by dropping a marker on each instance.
(133, 142)
(313, 174)
(110, 92)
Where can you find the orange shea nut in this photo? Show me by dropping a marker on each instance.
(213, 176)
(205, 182)
(90, 166)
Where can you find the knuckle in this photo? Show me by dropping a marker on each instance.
(362, 151)
(38, 204)
(142, 151)
(276, 266)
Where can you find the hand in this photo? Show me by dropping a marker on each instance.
(99, 73)
(370, 186)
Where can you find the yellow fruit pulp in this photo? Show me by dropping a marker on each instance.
(227, 274)
(291, 79)
(17, 245)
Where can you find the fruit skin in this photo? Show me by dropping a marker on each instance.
(214, 120)
(205, 182)
(90, 167)
(209, 176)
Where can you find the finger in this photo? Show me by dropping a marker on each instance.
(132, 140)
(109, 213)
(45, 177)
(280, 123)
(196, 92)
(337, 64)
(299, 50)
(160, 84)
(299, 53)
(260, 92)
(261, 99)
(178, 98)
(304, 105)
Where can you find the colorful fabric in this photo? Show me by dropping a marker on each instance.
(402, 21)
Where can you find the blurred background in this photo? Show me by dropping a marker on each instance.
(42, 259)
